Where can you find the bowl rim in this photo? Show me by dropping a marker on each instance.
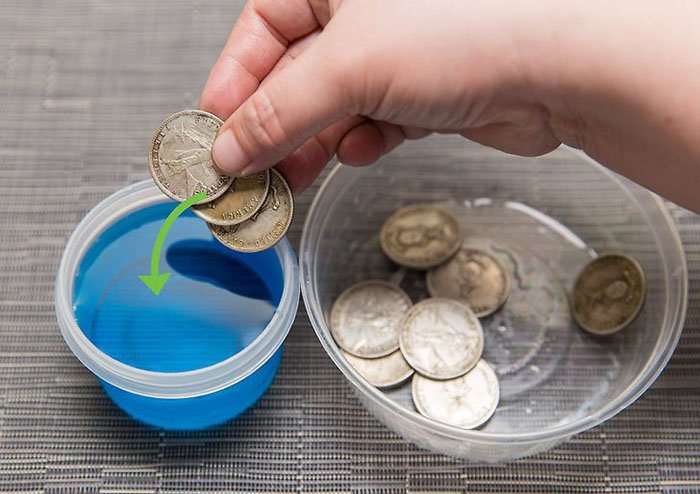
(674, 318)
(168, 385)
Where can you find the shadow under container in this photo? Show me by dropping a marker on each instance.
(171, 397)
(545, 218)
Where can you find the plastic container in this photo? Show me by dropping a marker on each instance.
(185, 359)
(545, 218)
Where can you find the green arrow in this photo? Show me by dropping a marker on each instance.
(156, 281)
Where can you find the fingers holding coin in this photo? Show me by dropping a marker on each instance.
(246, 214)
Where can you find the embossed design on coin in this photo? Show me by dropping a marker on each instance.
(180, 156)
(267, 226)
(239, 203)
(420, 236)
(365, 318)
(608, 294)
(441, 338)
(382, 372)
(473, 277)
(467, 401)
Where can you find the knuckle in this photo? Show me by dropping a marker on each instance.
(263, 123)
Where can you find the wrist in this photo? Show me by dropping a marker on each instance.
(621, 83)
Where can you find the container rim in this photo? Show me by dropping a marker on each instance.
(169, 385)
(676, 283)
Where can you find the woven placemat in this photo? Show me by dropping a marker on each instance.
(82, 85)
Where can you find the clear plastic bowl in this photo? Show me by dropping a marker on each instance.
(545, 218)
(191, 399)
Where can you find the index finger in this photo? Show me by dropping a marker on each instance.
(257, 41)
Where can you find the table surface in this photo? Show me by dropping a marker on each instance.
(83, 83)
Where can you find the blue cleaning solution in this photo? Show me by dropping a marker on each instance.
(215, 303)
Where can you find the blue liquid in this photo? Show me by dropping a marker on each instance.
(215, 303)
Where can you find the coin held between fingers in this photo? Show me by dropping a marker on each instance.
(180, 158)
(240, 202)
(267, 226)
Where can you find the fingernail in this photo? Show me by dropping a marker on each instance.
(248, 170)
(228, 154)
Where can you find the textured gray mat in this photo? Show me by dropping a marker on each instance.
(82, 85)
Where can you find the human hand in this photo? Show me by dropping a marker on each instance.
(301, 80)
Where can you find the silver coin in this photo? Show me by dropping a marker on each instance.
(441, 338)
(180, 156)
(240, 202)
(267, 226)
(365, 319)
(473, 277)
(420, 236)
(382, 372)
(466, 401)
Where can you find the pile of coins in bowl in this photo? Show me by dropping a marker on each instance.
(246, 214)
(439, 341)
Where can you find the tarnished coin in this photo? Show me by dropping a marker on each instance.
(467, 401)
(473, 277)
(240, 202)
(382, 372)
(420, 236)
(441, 338)
(608, 294)
(365, 318)
(180, 156)
(267, 226)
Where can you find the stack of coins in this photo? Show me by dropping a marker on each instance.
(246, 214)
(439, 341)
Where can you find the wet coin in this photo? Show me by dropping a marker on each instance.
(180, 156)
(420, 236)
(608, 294)
(441, 338)
(365, 318)
(240, 202)
(473, 277)
(467, 401)
(267, 226)
(382, 372)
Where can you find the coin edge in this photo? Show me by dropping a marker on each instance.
(224, 223)
(392, 384)
(284, 232)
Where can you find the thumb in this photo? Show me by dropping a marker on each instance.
(289, 107)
